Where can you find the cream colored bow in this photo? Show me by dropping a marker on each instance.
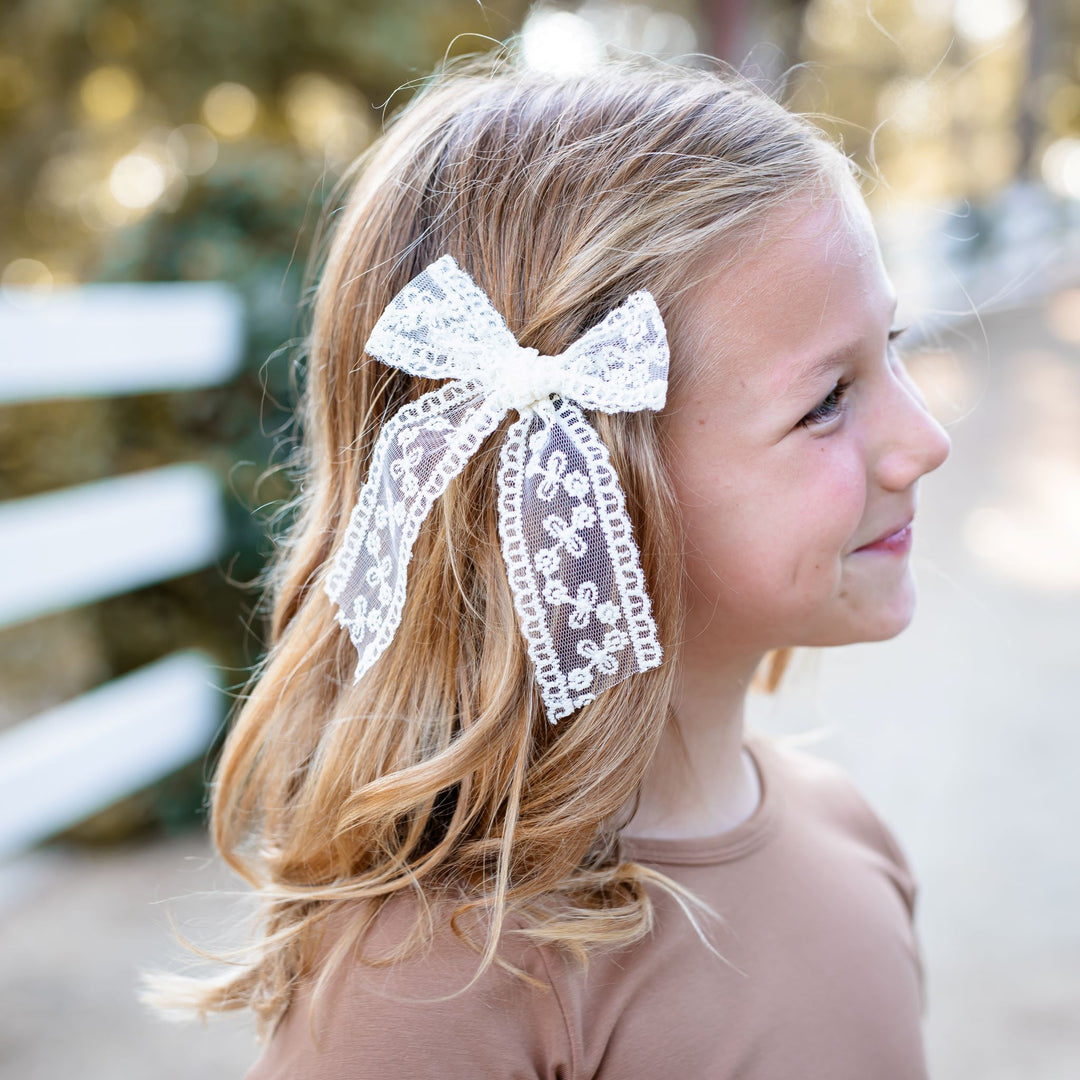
(573, 566)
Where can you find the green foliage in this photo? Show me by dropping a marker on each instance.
(248, 220)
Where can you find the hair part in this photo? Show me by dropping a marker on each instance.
(436, 774)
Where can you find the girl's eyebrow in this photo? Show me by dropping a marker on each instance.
(809, 375)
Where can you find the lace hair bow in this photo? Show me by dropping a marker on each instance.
(570, 555)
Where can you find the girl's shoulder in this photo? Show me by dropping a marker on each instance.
(836, 800)
(432, 1012)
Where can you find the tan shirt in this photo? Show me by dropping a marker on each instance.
(823, 981)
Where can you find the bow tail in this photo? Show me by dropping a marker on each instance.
(579, 590)
(418, 452)
(517, 529)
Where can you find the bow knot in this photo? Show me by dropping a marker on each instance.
(522, 378)
(566, 539)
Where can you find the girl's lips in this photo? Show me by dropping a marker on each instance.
(898, 543)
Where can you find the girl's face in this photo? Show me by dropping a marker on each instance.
(800, 440)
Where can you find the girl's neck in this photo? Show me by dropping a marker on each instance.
(701, 782)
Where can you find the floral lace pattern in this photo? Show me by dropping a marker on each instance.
(566, 539)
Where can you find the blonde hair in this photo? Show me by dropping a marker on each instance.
(437, 774)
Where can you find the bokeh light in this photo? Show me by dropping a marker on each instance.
(192, 148)
(829, 23)
(137, 181)
(1061, 167)
(1019, 545)
(229, 109)
(983, 21)
(26, 283)
(65, 178)
(109, 93)
(912, 105)
(561, 42)
(26, 274)
(325, 116)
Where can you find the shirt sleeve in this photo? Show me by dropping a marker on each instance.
(388, 1023)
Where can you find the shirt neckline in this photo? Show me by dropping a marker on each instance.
(726, 846)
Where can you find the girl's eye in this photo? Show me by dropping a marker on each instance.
(829, 408)
(832, 405)
(894, 334)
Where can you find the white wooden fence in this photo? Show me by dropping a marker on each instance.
(71, 547)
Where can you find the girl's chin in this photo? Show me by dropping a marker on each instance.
(891, 619)
(889, 631)
(875, 620)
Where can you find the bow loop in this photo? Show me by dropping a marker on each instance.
(567, 542)
(442, 326)
(621, 363)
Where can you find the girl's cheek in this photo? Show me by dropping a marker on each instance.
(834, 490)
(849, 496)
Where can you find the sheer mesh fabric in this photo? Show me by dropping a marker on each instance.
(572, 563)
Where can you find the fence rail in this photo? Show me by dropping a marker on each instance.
(66, 548)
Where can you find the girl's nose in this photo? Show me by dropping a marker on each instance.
(915, 443)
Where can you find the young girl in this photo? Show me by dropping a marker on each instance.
(601, 419)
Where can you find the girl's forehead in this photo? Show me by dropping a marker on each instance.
(814, 284)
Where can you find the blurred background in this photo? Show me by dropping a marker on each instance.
(165, 164)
